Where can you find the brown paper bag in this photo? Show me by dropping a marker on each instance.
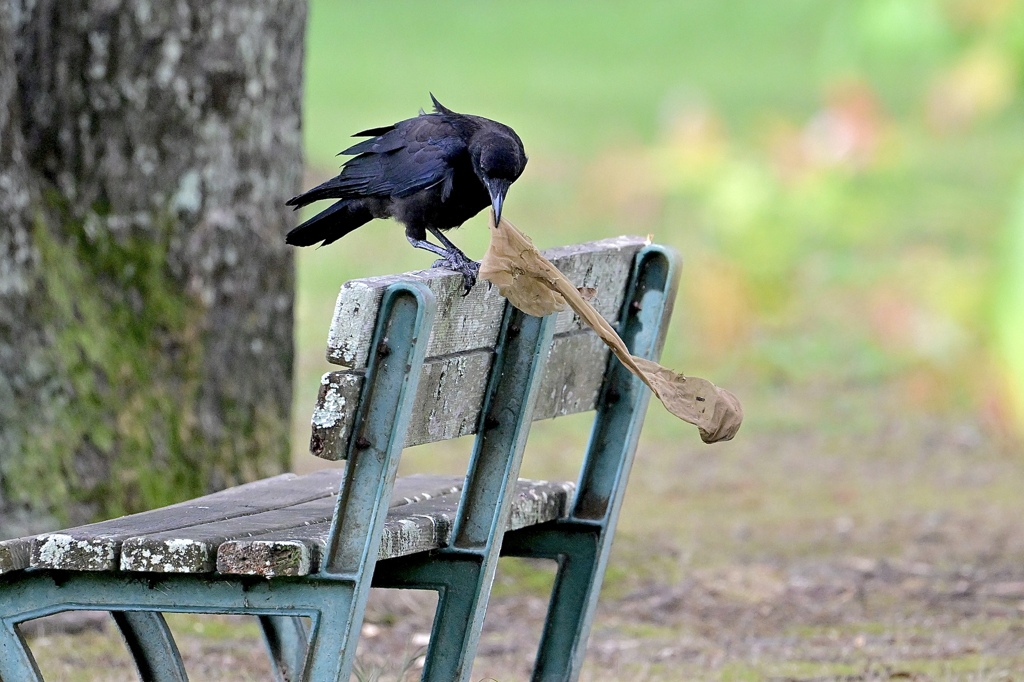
(531, 283)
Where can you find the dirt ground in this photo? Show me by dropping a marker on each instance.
(886, 548)
(851, 619)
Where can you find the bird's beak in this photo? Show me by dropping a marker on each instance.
(497, 189)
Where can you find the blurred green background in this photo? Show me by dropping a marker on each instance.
(845, 182)
(840, 177)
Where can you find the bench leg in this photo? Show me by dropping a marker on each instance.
(462, 585)
(458, 619)
(333, 640)
(145, 633)
(151, 645)
(287, 640)
(328, 652)
(328, 603)
(16, 661)
(581, 551)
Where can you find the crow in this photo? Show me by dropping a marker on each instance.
(431, 173)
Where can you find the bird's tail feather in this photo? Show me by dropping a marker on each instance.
(331, 224)
(327, 190)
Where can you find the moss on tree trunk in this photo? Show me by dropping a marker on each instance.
(146, 149)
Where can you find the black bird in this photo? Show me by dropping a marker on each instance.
(431, 173)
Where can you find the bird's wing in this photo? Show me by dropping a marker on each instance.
(410, 156)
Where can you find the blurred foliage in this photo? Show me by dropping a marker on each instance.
(1009, 316)
(837, 175)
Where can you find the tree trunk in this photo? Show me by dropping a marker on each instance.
(146, 150)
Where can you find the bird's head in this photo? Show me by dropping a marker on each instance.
(498, 159)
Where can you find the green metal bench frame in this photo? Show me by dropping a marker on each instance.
(334, 598)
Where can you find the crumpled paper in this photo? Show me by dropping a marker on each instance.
(531, 283)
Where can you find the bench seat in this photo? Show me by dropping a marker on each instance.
(274, 527)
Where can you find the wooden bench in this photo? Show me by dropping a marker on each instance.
(422, 364)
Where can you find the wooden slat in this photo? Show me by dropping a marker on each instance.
(448, 399)
(297, 551)
(96, 547)
(462, 322)
(15, 554)
(335, 414)
(573, 375)
(451, 392)
(538, 502)
(465, 323)
(193, 549)
(417, 527)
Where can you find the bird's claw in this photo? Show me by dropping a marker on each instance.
(467, 268)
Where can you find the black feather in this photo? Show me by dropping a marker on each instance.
(330, 225)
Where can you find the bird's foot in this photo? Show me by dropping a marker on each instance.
(457, 262)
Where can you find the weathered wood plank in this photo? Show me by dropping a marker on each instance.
(419, 487)
(334, 414)
(414, 528)
(573, 375)
(15, 554)
(539, 502)
(448, 398)
(462, 322)
(603, 266)
(465, 323)
(411, 528)
(451, 391)
(96, 547)
(193, 549)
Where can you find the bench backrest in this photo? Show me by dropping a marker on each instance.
(463, 337)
